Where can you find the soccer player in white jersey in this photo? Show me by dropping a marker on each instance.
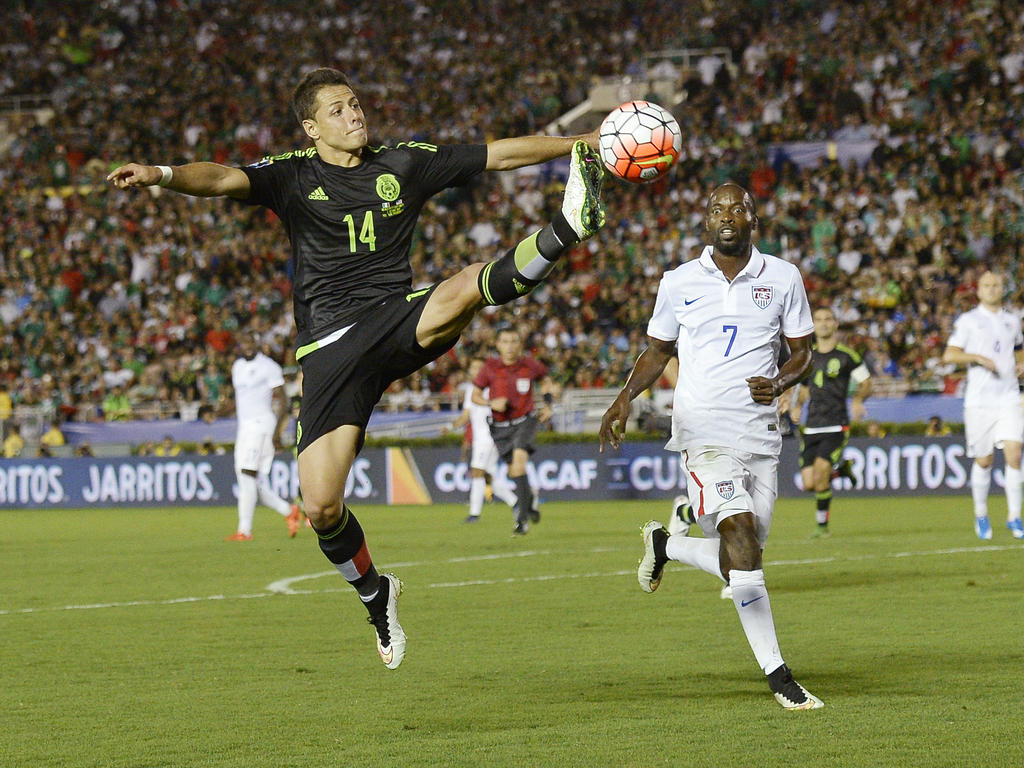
(258, 381)
(483, 459)
(988, 342)
(727, 312)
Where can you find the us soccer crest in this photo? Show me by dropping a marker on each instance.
(762, 295)
(725, 489)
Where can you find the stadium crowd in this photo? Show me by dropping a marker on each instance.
(113, 306)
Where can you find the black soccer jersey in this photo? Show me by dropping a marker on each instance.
(829, 384)
(351, 228)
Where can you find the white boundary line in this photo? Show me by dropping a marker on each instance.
(284, 586)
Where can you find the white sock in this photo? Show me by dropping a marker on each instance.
(751, 599)
(700, 553)
(247, 494)
(268, 498)
(981, 479)
(477, 486)
(502, 490)
(1013, 492)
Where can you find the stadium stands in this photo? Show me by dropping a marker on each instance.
(884, 145)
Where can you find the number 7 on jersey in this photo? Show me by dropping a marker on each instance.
(731, 330)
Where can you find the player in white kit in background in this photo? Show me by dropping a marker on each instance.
(483, 459)
(987, 340)
(258, 381)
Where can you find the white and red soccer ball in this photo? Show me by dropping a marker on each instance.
(640, 141)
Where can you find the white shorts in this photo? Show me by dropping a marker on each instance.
(483, 453)
(724, 482)
(254, 450)
(986, 429)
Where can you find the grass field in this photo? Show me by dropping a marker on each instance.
(140, 638)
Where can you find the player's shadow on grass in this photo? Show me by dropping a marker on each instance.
(842, 580)
(662, 684)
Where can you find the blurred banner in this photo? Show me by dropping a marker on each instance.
(904, 466)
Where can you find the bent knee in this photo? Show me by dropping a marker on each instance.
(322, 515)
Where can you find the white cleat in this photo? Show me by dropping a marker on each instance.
(682, 516)
(789, 693)
(390, 635)
(651, 569)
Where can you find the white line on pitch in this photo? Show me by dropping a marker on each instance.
(283, 588)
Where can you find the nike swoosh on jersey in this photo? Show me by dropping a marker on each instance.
(688, 302)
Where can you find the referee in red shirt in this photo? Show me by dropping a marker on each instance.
(510, 379)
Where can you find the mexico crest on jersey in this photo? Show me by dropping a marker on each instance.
(762, 295)
(388, 188)
(725, 489)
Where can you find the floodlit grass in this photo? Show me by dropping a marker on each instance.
(140, 638)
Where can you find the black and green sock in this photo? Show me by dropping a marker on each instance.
(522, 269)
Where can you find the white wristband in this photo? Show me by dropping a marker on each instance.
(166, 174)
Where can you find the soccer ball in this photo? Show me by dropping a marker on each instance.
(640, 141)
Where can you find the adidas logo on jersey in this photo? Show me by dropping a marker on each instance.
(318, 194)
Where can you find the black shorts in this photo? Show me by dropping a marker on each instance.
(823, 445)
(343, 381)
(518, 433)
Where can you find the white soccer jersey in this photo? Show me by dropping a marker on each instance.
(479, 415)
(994, 335)
(483, 453)
(725, 333)
(254, 382)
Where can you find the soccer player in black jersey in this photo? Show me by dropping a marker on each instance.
(350, 210)
(826, 431)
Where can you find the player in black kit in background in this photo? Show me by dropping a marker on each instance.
(826, 430)
(350, 210)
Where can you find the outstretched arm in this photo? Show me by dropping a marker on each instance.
(648, 368)
(198, 179)
(507, 154)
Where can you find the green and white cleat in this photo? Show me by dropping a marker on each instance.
(582, 206)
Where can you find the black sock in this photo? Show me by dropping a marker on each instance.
(659, 540)
(522, 269)
(345, 545)
(556, 237)
(379, 602)
(824, 499)
(524, 498)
